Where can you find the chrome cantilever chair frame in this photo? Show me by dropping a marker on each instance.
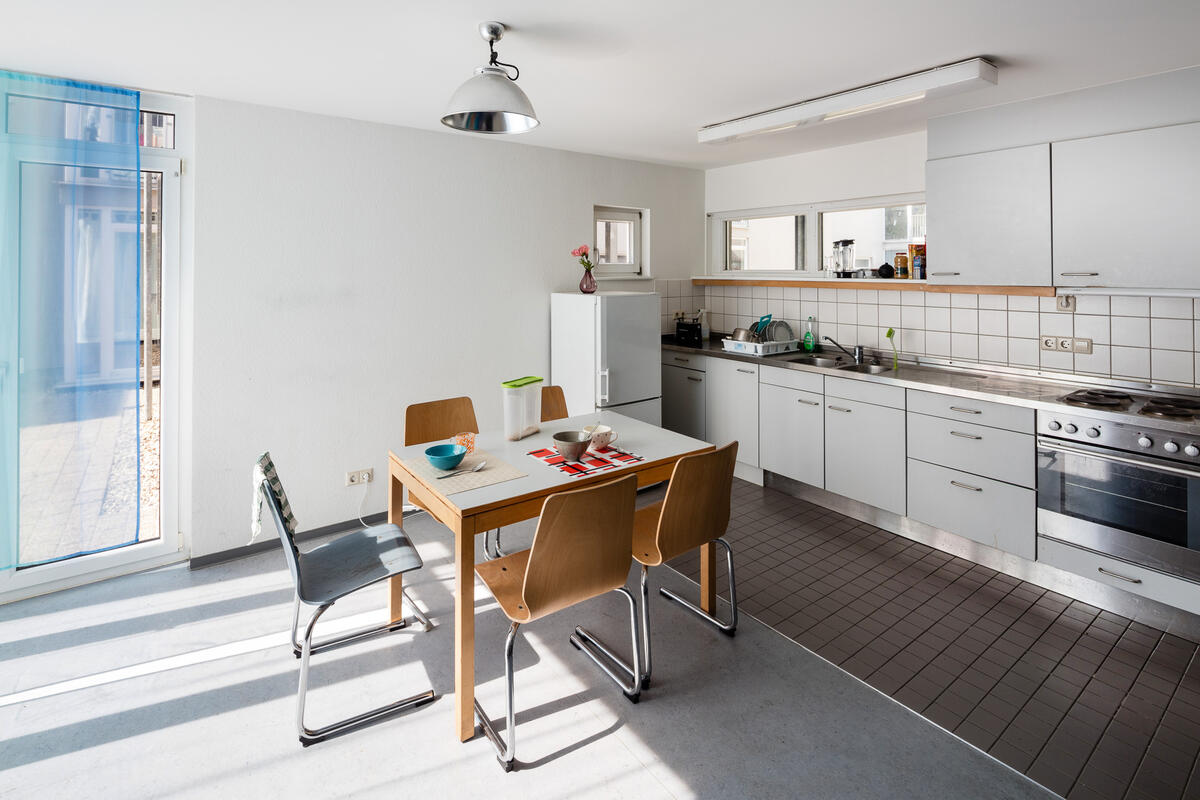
(304, 650)
(630, 684)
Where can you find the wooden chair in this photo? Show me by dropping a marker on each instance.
(694, 512)
(581, 550)
(554, 403)
(438, 419)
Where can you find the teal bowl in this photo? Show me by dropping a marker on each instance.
(446, 456)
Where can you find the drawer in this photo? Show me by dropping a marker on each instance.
(981, 412)
(990, 452)
(865, 392)
(792, 379)
(689, 360)
(1167, 589)
(990, 512)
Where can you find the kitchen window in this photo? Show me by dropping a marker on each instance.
(618, 243)
(765, 243)
(879, 232)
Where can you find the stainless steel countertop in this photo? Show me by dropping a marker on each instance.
(975, 382)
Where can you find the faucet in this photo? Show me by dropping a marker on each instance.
(857, 355)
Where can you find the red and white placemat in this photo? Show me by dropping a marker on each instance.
(593, 461)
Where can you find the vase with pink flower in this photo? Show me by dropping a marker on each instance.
(587, 283)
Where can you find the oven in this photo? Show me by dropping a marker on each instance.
(1139, 508)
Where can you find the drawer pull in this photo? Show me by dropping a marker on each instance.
(966, 486)
(965, 410)
(747, 371)
(1118, 575)
(807, 402)
(945, 273)
(697, 380)
(962, 435)
(683, 360)
(1081, 275)
(839, 408)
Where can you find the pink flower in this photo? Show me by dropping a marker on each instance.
(583, 249)
(577, 252)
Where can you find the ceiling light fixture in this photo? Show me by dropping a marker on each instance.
(490, 101)
(937, 82)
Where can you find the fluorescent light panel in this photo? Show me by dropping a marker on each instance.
(953, 78)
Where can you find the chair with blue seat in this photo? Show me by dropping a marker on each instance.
(326, 574)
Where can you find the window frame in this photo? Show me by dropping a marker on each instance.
(635, 216)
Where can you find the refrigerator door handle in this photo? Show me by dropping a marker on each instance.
(603, 386)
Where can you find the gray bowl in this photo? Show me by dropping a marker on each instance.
(571, 445)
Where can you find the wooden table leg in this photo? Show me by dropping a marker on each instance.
(708, 578)
(395, 511)
(464, 629)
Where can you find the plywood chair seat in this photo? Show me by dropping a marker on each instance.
(505, 579)
(645, 535)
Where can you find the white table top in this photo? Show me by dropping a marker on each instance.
(651, 442)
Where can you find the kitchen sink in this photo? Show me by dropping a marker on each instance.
(870, 369)
(815, 361)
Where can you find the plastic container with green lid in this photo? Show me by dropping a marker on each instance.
(522, 407)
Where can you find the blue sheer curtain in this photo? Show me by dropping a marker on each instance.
(69, 319)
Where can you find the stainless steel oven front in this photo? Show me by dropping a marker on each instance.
(1140, 509)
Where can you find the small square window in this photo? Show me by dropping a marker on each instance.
(157, 130)
(618, 242)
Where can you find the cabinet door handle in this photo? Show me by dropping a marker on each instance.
(1079, 275)
(965, 410)
(839, 408)
(962, 435)
(683, 360)
(966, 486)
(747, 371)
(945, 273)
(1119, 576)
(807, 402)
(697, 380)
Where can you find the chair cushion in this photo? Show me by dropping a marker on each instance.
(505, 579)
(357, 559)
(645, 535)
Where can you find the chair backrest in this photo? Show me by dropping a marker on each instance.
(290, 551)
(554, 403)
(696, 508)
(582, 548)
(438, 419)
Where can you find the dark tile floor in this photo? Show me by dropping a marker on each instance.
(1087, 703)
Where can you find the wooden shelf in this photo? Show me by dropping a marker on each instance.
(896, 285)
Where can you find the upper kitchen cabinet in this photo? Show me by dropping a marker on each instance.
(989, 218)
(1125, 207)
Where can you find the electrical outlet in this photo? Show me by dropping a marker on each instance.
(360, 476)
(1049, 343)
(1065, 302)
(1079, 345)
(1065, 344)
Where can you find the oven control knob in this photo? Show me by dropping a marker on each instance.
(1171, 447)
(1093, 433)
(1145, 441)
(1071, 428)
(1192, 450)
(1053, 424)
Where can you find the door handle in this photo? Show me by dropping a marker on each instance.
(962, 435)
(945, 273)
(838, 408)
(1079, 274)
(965, 410)
(807, 402)
(747, 371)
(683, 360)
(967, 486)
(1119, 576)
(604, 386)
(697, 380)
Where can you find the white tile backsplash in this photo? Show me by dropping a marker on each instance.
(1133, 338)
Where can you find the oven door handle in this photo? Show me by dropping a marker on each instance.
(1157, 466)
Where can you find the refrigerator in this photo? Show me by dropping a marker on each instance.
(605, 352)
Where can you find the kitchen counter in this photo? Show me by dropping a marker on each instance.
(976, 382)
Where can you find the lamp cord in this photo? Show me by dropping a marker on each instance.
(496, 62)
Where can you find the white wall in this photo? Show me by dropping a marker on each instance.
(347, 269)
(884, 166)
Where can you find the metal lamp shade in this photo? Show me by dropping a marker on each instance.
(490, 103)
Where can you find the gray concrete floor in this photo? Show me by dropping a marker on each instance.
(179, 683)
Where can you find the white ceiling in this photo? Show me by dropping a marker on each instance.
(630, 78)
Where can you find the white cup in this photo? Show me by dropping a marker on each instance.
(602, 435)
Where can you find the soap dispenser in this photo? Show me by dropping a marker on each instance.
(810, 334)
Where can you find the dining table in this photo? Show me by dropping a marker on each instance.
(477, 510)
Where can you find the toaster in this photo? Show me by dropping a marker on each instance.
(688, 333)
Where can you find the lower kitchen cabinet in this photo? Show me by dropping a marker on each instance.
(865, 452)
(987, 511)
(792, 433)
(683, 400)
(731, 407)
